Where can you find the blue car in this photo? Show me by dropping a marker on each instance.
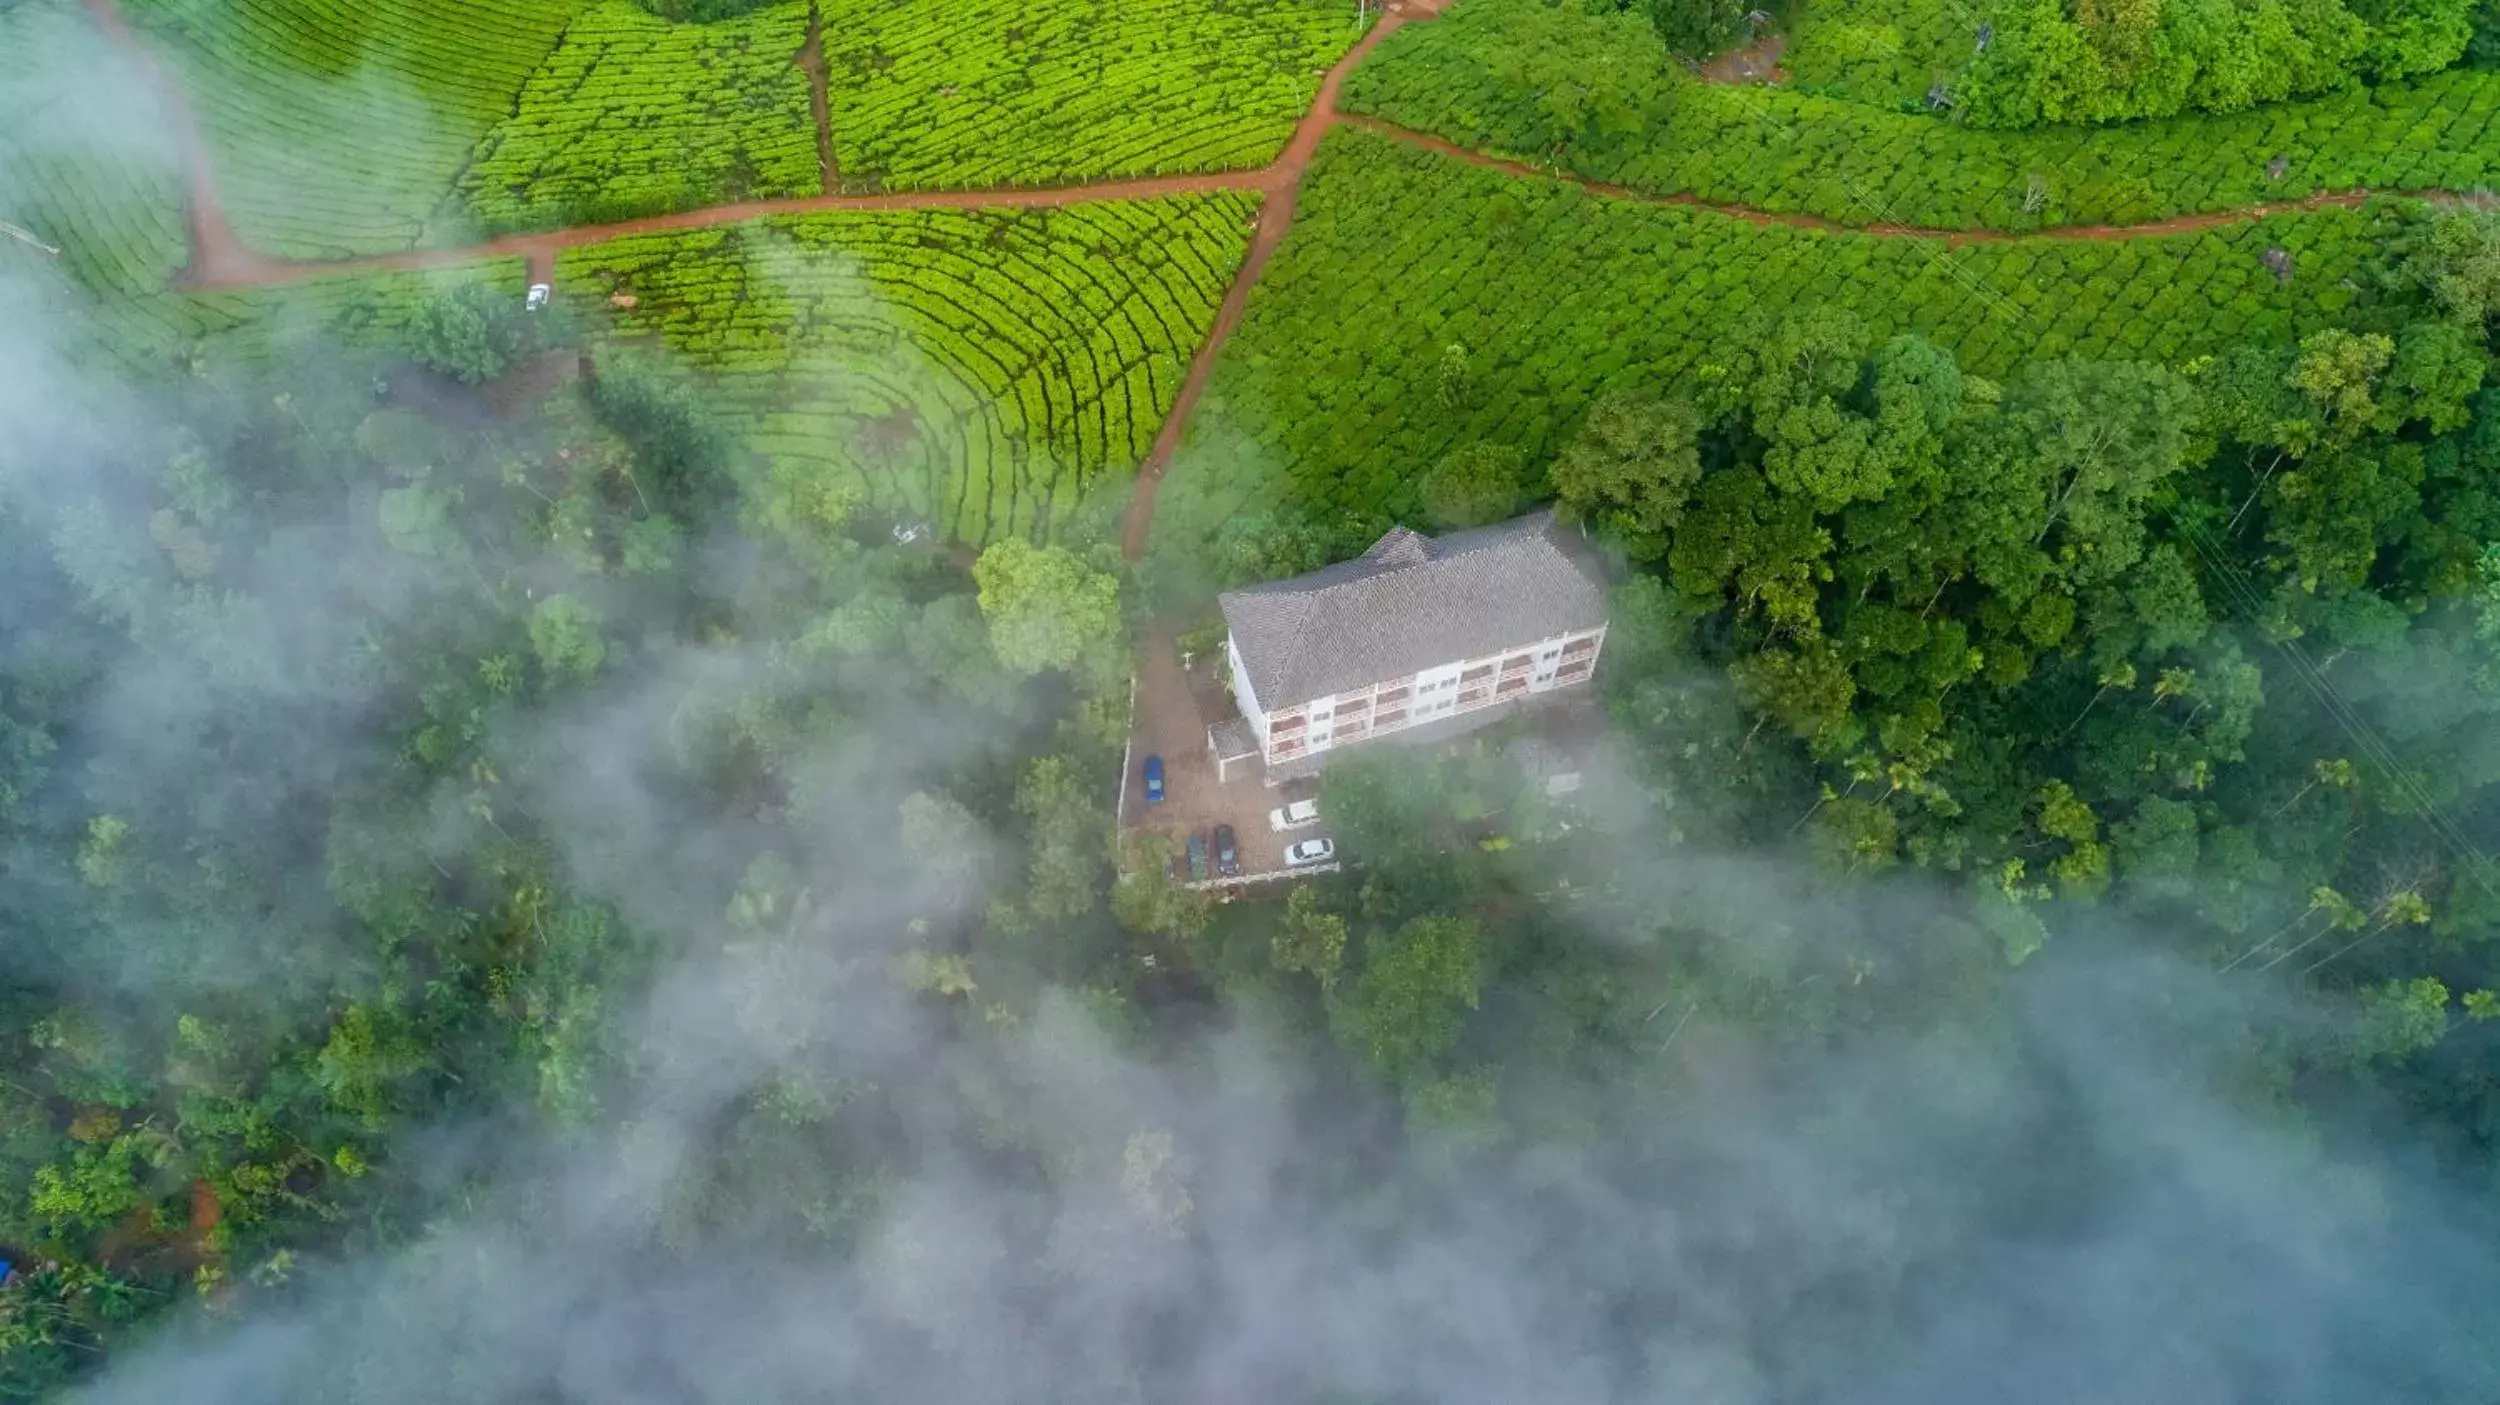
(1154, 780)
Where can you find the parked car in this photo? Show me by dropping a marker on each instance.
(1227, 857)
(1301, 814)
(1198, 858)
(1310, 851)
(1154, 780)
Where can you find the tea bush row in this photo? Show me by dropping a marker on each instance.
(982, 370)
(1421, 304)
(975, 94)
(337, 127)
(1595, 96)
(633, 115)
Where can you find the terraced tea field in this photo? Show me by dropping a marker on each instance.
(1594, 95)
(982, 370)
(632, 115)
(1422, 304)
(969, 94)
(90, 165)
(337, 127)
(989, 369)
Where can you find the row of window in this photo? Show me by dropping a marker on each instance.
(1348, 706)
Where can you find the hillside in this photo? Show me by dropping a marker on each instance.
(634, 764)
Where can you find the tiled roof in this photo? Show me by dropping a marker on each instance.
(1411, 602)
(1232, 739)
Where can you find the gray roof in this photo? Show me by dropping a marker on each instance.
(1232, 739)
(1411, 602)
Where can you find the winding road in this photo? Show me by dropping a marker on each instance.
(219, 260)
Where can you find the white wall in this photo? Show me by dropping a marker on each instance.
(1243, 696)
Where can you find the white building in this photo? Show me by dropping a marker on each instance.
(1442, 632)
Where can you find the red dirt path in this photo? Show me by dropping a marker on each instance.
(1283, 185)
(2177, 224)
(542, 248)
(220, 261)
(218, 258)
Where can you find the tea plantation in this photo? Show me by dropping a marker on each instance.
(632, 115)
(341, 127)
(1595, 95)
(967, 94)
(1422, 304)
(978, 370)
(337, 127)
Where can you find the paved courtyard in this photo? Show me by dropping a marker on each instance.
(1174, 710)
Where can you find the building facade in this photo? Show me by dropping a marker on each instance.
(1418, 632)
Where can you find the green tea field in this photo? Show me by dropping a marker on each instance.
(1423, 304)
(984, 371)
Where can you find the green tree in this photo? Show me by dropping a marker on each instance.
(1067, 834)
(1047, 609)
(564, 632)
(470, 332)
(2338, 372)
(1146, 897)
(1631, 467)
(1407, 1007)
(1311, 939)
(1474, 486)
(2457, 261)
(1696, 29)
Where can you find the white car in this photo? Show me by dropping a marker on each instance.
(1310, 851)
(1301, 814)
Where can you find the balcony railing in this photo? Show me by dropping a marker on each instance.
(1475, 698)
(1388, 720)
(1476, 675)
(1578, 647)
(1395, 696)
(1288, 726)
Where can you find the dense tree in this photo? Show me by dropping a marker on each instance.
(1406, 1008)
(1630, 468)
(1474, 486)
(1047, 609)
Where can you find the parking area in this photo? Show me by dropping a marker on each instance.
(1175, 707)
